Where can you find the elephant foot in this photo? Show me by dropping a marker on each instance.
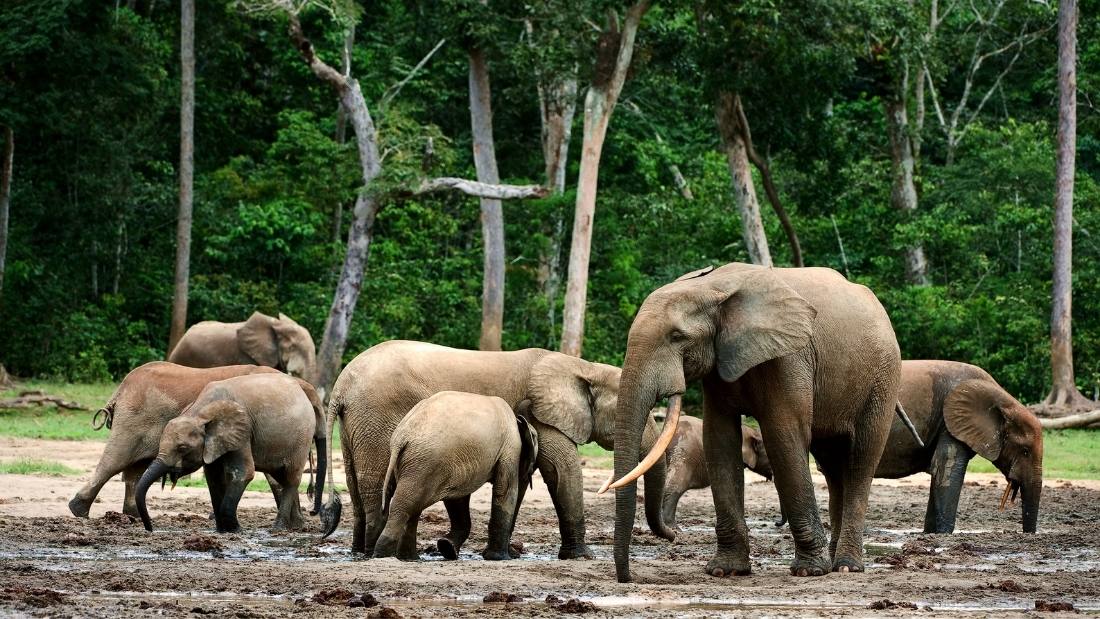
(729, 563)
(845, 565)
(229, 526)
(447, 549)
(576, 551)
(408, 556)
(80, 508)
(496, 555)
(810, 566)
(131, 510)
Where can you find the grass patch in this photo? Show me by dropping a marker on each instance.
(27, 466)
(50, 422)
(596, 456)
(258, 484)
(1067, 454)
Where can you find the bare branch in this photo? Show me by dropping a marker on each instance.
(481, 190)
(1071, 421)
(392, 92)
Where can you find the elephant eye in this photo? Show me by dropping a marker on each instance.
(1027, 452)
(677, 335)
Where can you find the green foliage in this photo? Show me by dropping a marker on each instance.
(1067, 454)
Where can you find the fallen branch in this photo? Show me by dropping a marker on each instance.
(1079, 420)
(27, 399)
(482, 190)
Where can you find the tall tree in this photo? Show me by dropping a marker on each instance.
(5, 196)
(186, 171)
(614, 52)
(1064, 394)
(903, 186)
(744, 192)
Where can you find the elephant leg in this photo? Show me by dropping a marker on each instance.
(290, 511)
(407, 549)
(948, 469)
(503, 511)
(130, 477)
(370, 447)
(404, 513)
(668, 505)
(725, 466)
(561, 470)
(215, 484)
(832, 468)
(458, 510)
(276, 487)
(115, 459)
(238, 471)
(351, 480)
(785, 426)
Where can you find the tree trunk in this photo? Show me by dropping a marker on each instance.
(335, 337)
(903, 192)
(341, 128)
(186, 171)
(557, 106)
(5, 197)
(614, 53)
(1064, 393)
(492, 218)
(744, 192)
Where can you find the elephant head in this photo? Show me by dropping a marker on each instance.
(728, 319)
(529, 450)
(279, 343)
(191, 440)
(580, 398)
(753, 453)
(998, 428)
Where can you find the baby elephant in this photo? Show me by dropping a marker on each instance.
(235, 427)
(687, 467)
(445, 449)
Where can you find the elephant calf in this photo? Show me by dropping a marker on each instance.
(687, 466)
(234, 428)
(445, 449)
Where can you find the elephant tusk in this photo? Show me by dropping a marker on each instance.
(607, 483)
(1004, 497)
(658, 450)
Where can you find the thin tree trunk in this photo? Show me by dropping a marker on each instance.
(615, 51)
(744, 192)
(120, 237)
(5, 197)
(341, 128)
(186, 171)
(1064, 393)
(492, 217)
(903, 192)
(335, 338)
(557, 106)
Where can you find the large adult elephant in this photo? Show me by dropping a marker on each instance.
(959, 410)
(810, 355)
(572, 402)
(279, 343)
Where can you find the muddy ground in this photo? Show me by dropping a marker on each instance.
(53, 564)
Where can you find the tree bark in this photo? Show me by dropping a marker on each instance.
(903, 190)
(481, 190)
(5, 197)
(335, 338)
(341, 128)
(744, 192)
(613, 57)
(492, 217)
(186, 171)
(1080, 420)
(557, 106)
(1064, 393)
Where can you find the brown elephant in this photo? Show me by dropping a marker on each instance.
(448, 446)
(572, 403)
(810, 355)
(959, 410)
(687, 466)
(145, 401)
(279, 343)
(238, 426)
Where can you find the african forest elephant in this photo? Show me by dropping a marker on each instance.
(810, 355)
(147, 399)
(279, 343)
(234, 428)
(959, 410)
(572, 403)
(687, 466)
(447, 447)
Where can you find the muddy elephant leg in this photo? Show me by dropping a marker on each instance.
(503, 511)
(458, 510)
(726, 469)
(238, 471)
(407, 549)
(290, 511)
(215, 484)
(668, 506)
(115, 459)
(832, 467)
(359, 520)
(403, 515)
(948, 470)
(130, 477)
(561, 470)
(864, 452)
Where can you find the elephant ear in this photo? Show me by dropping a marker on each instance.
(696, 273)
(256, 338)
(973, 414)
(529, 448)
(562, 395)
(227, 429)
(761, 319)
(750, 443)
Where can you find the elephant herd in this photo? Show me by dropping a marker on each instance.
(809, 355)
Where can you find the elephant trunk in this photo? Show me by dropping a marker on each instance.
(655, 487)
(155, 471)
(1031, 491)
(322, 467)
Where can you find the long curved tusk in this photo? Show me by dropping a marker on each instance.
(1004, 497)
(606, 483)
(658, 449)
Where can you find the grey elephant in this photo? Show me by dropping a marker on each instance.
(810, 355)
(572, 402)
(279, 343)
(145, 401)
(959, 411)
(687, 466)
(235, 427)
(447, 447)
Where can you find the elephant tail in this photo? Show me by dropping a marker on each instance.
(907, 423)
(105, 417)
(390, 485)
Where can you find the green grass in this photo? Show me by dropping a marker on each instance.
(26, 466)
(50, 422)
(258, 484)
(1067, 454)
(596, 456)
